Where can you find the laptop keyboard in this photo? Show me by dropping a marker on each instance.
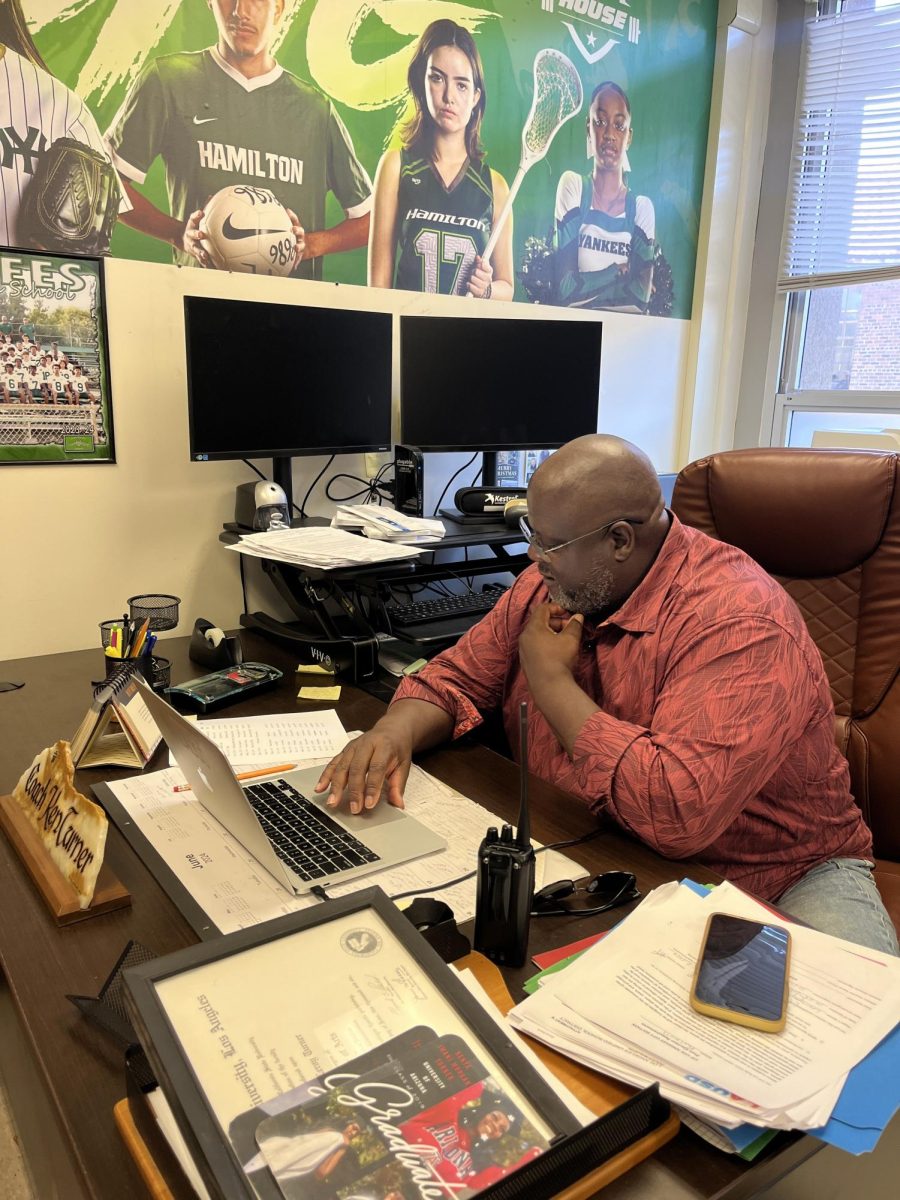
(306, 839)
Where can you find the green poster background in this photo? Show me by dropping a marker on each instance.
(356, 52)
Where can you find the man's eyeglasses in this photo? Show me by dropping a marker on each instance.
(605, 891)
(543, 551)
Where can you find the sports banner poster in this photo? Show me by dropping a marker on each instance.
(547, 151)
(55, 403)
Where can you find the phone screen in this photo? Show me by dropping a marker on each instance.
(743, 967)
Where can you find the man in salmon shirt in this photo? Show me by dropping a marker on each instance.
(672, 686)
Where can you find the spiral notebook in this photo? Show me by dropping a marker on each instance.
(118, 730)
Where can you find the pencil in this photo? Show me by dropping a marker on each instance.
(277, 770)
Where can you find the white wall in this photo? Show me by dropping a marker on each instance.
(79, 540)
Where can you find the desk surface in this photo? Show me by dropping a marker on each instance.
(81, 1068)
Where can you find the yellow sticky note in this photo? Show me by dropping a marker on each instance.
(313, 669)
(320, 693)
(415, 667)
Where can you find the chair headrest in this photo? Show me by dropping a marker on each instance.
(799, 513)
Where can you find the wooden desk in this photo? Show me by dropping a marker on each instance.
(65, 1075)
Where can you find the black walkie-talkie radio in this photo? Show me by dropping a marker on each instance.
(506, 878)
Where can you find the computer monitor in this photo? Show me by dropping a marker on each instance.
(281, 380)
(493, 383)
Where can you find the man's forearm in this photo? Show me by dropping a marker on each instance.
(425, 724)
(147, 218)
(348, 235)
(564, 705)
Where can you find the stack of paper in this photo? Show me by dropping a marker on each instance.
(623, 1009)
(386, 524)
(320, 546)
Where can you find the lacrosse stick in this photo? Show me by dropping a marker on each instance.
(557, 97)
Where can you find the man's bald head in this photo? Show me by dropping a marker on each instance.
(598, 517)
(600, 475)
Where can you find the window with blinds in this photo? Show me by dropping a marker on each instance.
(839, 382)
(843, 218)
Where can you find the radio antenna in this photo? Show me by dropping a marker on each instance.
(523, 833)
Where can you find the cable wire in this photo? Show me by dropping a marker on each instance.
(450, 480)
(309, 490)
(440, 887)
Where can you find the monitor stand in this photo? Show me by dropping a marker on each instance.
(283, 475)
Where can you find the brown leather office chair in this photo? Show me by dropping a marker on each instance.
(826, 525)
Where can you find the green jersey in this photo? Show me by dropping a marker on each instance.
(441, 229)
(213, 128)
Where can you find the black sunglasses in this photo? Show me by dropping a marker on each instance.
(606, 891)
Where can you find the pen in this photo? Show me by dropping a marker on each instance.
(139, 638)
(277, 770)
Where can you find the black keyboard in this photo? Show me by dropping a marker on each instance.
(466, 604)
(306, 839)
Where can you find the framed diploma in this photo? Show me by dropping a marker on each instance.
(332, 1054)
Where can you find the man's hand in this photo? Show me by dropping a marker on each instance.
(375, 763)
(192, 239)
(548, 647)
(299, 236)
(550, 642)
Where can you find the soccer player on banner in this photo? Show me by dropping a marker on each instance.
(232, 115)
(435, 199)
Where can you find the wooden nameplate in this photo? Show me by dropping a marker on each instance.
(59, 897)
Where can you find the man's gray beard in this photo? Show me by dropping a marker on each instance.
(589, 597)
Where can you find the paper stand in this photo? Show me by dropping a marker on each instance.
(58, 895)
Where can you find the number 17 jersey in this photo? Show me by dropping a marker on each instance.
(441, 230)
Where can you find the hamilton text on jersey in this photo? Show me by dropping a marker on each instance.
(245, 161)
(422, 214)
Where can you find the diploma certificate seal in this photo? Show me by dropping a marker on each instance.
(361, 943)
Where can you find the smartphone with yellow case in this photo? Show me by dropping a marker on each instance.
(742, 972)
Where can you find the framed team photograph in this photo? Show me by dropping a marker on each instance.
(55, 402)
(332, 1054)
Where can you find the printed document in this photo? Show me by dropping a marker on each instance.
(623, 1007)
(277, 738)
(235, 892)
(320, 546)
(386, 524)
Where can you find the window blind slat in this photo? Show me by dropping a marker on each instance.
(843, 210)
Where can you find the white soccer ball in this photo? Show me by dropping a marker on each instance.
(246, 228)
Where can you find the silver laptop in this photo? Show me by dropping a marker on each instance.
(282, 821)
